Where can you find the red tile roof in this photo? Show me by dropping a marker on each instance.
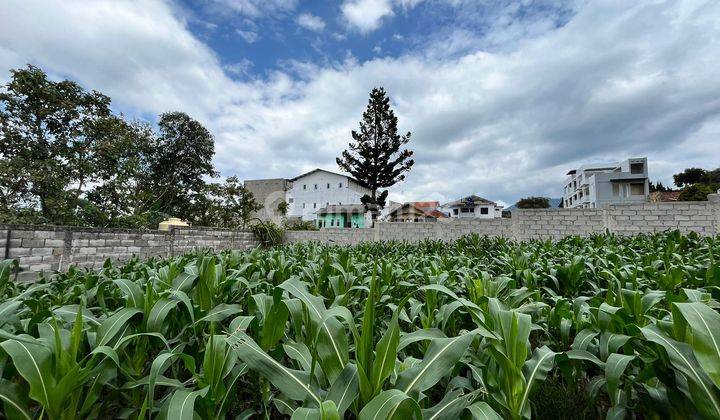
(426, 204)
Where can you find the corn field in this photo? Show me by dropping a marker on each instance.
(483, 328)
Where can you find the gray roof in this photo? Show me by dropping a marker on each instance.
(476, 199)
(330, 172)
(342, 208)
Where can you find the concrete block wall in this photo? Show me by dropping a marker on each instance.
(188, 239)
(697, 216)
(336, 236)
(452, 230)
(623, 219)
(48, 249)
(556, 224)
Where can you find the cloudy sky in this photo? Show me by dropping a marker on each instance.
(501, 97)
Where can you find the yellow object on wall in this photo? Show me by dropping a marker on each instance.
(172, 221)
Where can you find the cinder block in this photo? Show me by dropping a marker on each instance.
(41, 251)
(54, 243)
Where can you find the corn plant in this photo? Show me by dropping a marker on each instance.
(432, 330)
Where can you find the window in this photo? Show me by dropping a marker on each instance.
(290, 200)
(616, 190)
(304, 187)
(339, 184)
(637, 189)
(455, 212)
(484, 210)
(332, 222)
(339, 203)
(637, 168)
(316, 186)
(314, 205)
(327, 204)
(328, 185)
(303, 205)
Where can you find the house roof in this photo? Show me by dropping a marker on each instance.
(342, 208)
(426, 204)
(436, 214)
(475, 198)
(428, 213)
(329, 172)
(664, 196)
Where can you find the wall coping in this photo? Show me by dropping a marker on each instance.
(65, 228)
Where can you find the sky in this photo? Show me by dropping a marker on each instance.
(502, 97)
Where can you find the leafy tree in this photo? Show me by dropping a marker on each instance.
(228, 205)
(124, 161)
(697, 192)
(181, 160)
(659, 187)
(698, 183)
(689, 176)
(533, 203)
(374, 156)
(65, 158)
(712, 177)
(54, 139)
(282, 207)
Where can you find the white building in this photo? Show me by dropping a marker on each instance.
(472, 206)
(319, 188)
(593, 186)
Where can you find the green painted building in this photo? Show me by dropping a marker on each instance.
(341, 216)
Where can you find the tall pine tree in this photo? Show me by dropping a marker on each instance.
(374, 157)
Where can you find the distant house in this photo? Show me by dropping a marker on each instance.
(664, 196)
(305, 194)
(343, 216)
(473, 206)
(593, 186)
(318, 189)
(418, 211)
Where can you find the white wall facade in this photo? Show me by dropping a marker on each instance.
(311, 192)
(490, 211)
(596, 186)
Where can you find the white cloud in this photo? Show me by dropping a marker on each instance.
(311, 22)
(240, 68)
(249, 36)
(366, 15)
(618, 80)
(255, 8)
(139, 53)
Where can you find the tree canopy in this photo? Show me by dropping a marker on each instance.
(697, 183)
(374, 157)
(66, 158)
(533, 203)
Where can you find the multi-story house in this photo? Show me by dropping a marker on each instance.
(319, 188)
(306, 194)
(472, 206)
(593, 186)
(416, 211)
